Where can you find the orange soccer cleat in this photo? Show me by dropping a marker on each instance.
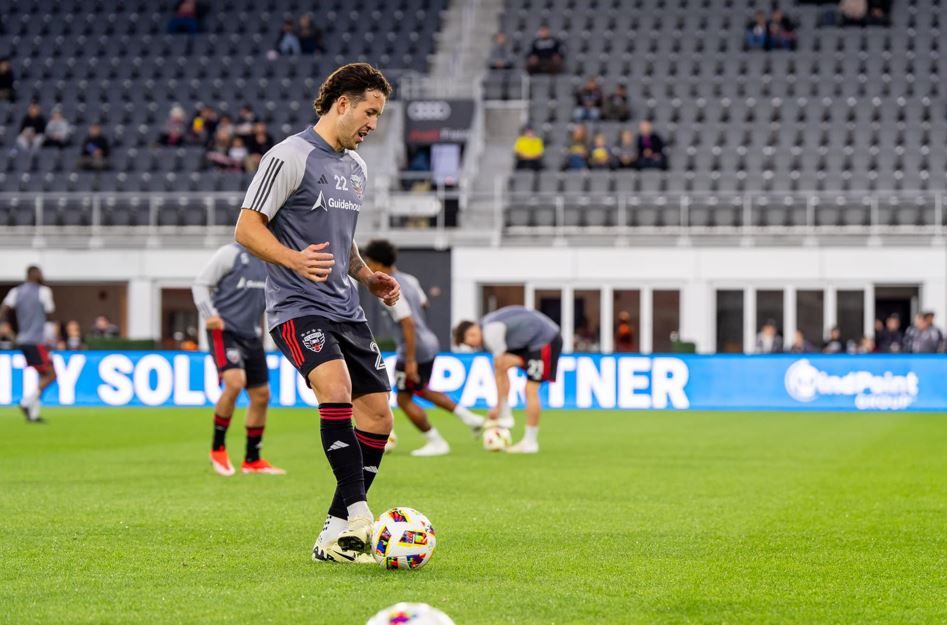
(261, 466)
(221, 462)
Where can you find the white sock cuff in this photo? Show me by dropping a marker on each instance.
(359, 509)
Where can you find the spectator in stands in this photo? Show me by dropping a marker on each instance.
(73, 338)
(218, 154)
(226, 126)
(852, 12)
(577, 155)
(175, 128)
(588, 102)
(923, 337)
(58, 130)
(879, 12)
(259, 144)
(238, 153)
(800, 345)
(102, 327)
(186, 18)
(768, 340)
(866, 345)
(890, 337)
(7, 89)
(650, 148)
(32, 128)
(203, 125)
(529, 149)
(782, 31)
(310, 37)
(94, 153)
(243, 126)
(287, 43)
(600, 157)
(757, 33)
(625, 333)
(500, 55)
(625, 152)
(834, 343)
(7, 336)
(616, 107)
(545, 53)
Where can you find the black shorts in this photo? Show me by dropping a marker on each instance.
(236, 352)
(541, 365)
(310, 341)
(37, 356)
(404, 385)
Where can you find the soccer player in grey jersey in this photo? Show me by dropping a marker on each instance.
(417, 350)
(32, 301)
(517, 337)
(228, 292)
(299, 215)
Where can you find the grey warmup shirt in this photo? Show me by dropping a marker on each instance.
(311, 194)
(231, 286)
(411, 304)
(31, 302)
(515, 328)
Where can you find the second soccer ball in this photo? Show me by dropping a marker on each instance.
(496, 438)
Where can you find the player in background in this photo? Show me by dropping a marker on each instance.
(228, 292)
(32, 301)
(417, 349)
(299, 216)
(517, 337)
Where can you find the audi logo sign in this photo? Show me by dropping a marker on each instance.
(429, 110)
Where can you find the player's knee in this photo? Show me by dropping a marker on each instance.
(260, 394)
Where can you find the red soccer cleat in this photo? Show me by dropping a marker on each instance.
(221, 462)
(261, 466)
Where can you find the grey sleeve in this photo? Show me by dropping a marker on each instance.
(280, 173)
(206, 281)
(494, 337)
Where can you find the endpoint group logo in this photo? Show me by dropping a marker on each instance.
(805, 382)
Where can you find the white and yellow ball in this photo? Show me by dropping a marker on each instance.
(403, 538)
(496, 438)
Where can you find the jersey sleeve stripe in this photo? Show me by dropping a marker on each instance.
(268, 185)
(259, 189)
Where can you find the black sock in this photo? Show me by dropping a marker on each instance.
(373, 449)
(343, 452)
(254, 443)
(220, 432)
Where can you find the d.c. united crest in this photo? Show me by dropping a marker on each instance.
(314, 340)
(357, 187)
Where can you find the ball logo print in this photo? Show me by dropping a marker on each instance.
(314, 340)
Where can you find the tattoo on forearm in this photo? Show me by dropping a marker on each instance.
(356, 264)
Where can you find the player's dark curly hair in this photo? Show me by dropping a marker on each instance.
(460, 330)
(351, 80)
(381, 251)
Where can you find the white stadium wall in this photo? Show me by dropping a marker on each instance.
(696, 272)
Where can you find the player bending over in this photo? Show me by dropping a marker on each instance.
(228, 293)
(299, 215)
(32, 301)
(417, 350)
(517, 337)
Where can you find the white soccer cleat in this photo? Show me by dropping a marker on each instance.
(476, 425)
(524, 447)
(433, 448)
(333, 553)
(358, 535)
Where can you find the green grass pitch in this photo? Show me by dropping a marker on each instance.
(114, 516)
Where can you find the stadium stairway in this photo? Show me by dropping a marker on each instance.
(463, 43)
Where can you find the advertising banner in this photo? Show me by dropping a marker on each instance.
(585, 381)
(428, 122)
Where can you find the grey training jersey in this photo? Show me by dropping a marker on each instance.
(515, 328)
(411, 304)
(31, 302)
(231, 285)
(311, 194)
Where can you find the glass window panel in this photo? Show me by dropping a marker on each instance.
(666, 317)
(493, 296)
(627, 330)
(730, 321)
(809, 316)
(587, 320)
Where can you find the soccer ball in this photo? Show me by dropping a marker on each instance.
(403, 538)
(391, 443)
(410, 614)
(496, 438)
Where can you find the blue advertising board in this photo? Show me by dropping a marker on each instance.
(617, 381)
